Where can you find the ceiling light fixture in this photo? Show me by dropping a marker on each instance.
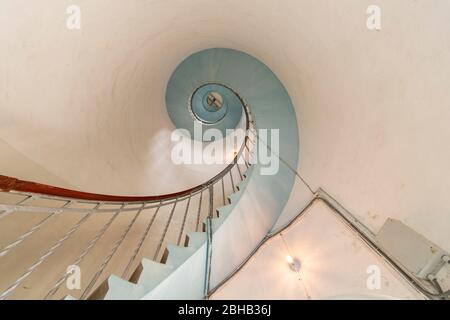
(294, 263)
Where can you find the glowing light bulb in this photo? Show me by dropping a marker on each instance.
(289, 259)
(294, 263)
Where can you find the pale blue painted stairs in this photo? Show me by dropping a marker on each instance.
(271, 109)
(149, 274)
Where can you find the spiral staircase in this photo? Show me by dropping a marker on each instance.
(140, 242)
(93, 207)
(170, 246)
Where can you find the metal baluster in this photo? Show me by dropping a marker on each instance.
(86, 250)
(23, 201)
(199, 210)
(184, 220)
(165, 231)
(232, 182)
(111, 254)
(141, 242)
(249, 153)
(48, 253)
(223, 192)
(239, 170)
(211, 200)
(6, 213)
(245, 162)
(22, 238)
(209, 235)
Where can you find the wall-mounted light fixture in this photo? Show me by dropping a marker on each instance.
(294, 263)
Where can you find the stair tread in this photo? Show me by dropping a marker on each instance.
(177, 255)
(153, 273)
(196, 239)
(120, 289)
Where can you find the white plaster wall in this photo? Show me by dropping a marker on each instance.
(334, 265)
(373, 106)
(17, 164)
(90, 103)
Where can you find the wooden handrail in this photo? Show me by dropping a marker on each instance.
(8, 184)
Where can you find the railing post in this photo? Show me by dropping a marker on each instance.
(209, 243)
(184, 220)
(141, 242)
(161, 241)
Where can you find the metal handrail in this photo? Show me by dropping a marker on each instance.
(11, 184)
(68, 201)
